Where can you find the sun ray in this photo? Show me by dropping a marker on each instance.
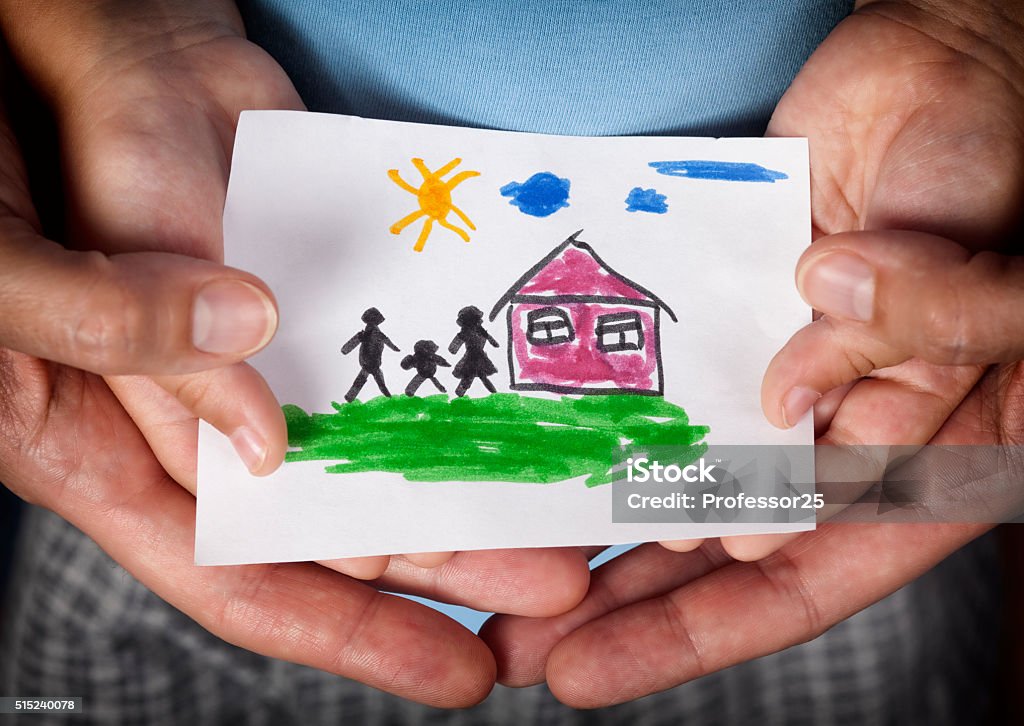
(397, 179)
(435, 200)
(448, 225)
(423, 235)
(447, 167)
(463, 217)
(459, 178)
(405, 221)
(424, 171)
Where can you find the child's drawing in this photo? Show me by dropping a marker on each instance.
(475, 363)
(565, 365)
(575, 325)
(435, 199)
(425, 360)
(370, 341)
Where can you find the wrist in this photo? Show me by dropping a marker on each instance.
(67, 47)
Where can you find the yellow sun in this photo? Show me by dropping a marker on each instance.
(435, 198)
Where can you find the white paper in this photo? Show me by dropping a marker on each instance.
(309, 210)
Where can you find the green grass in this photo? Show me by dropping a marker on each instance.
(502, 437)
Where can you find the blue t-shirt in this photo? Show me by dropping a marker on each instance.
(708, 67)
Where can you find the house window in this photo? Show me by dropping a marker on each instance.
(619, 331)
(549, 326)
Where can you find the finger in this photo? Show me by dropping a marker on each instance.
(925, 296)
(301, 613)
(429, 559)
(521, 644)
(169, 428)
(707, 624)
(820, 357)
(925, 394)
(826, 407)
(682, 545)
(128, 313)
(235, 400)
(537, 582)
(238, 403)
(361, 568)
(298, 612)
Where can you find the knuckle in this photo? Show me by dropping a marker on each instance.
(850, 361)
(111, 327)
(944, 331)
(787, 579)
(684, 636)
(193, 391)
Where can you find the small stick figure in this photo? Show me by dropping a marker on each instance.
(475, 363)
(425, 360)
(371, 342)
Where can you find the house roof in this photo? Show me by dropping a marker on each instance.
(574, 269)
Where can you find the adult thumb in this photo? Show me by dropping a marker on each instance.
(922, 295)
(134, 313)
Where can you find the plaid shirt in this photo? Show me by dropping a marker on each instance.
(79, 625)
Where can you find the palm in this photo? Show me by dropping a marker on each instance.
(159, 136)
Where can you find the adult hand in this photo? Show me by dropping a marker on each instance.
(654, 618)
(913, 111)
(67, 444)
(147, 166)
(147, 99)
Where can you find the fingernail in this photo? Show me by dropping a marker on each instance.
(231, 316)
(839, 284)
(796, 404)
(250, 447)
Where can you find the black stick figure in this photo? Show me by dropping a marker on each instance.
(475, 363)
(425, 360)
(371, 342)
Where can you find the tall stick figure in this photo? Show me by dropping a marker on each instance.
(371, 342)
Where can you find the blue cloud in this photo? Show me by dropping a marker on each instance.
(718, 171)
(541, 195)
(646, 200)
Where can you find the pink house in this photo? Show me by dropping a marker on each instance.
(575, 325)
